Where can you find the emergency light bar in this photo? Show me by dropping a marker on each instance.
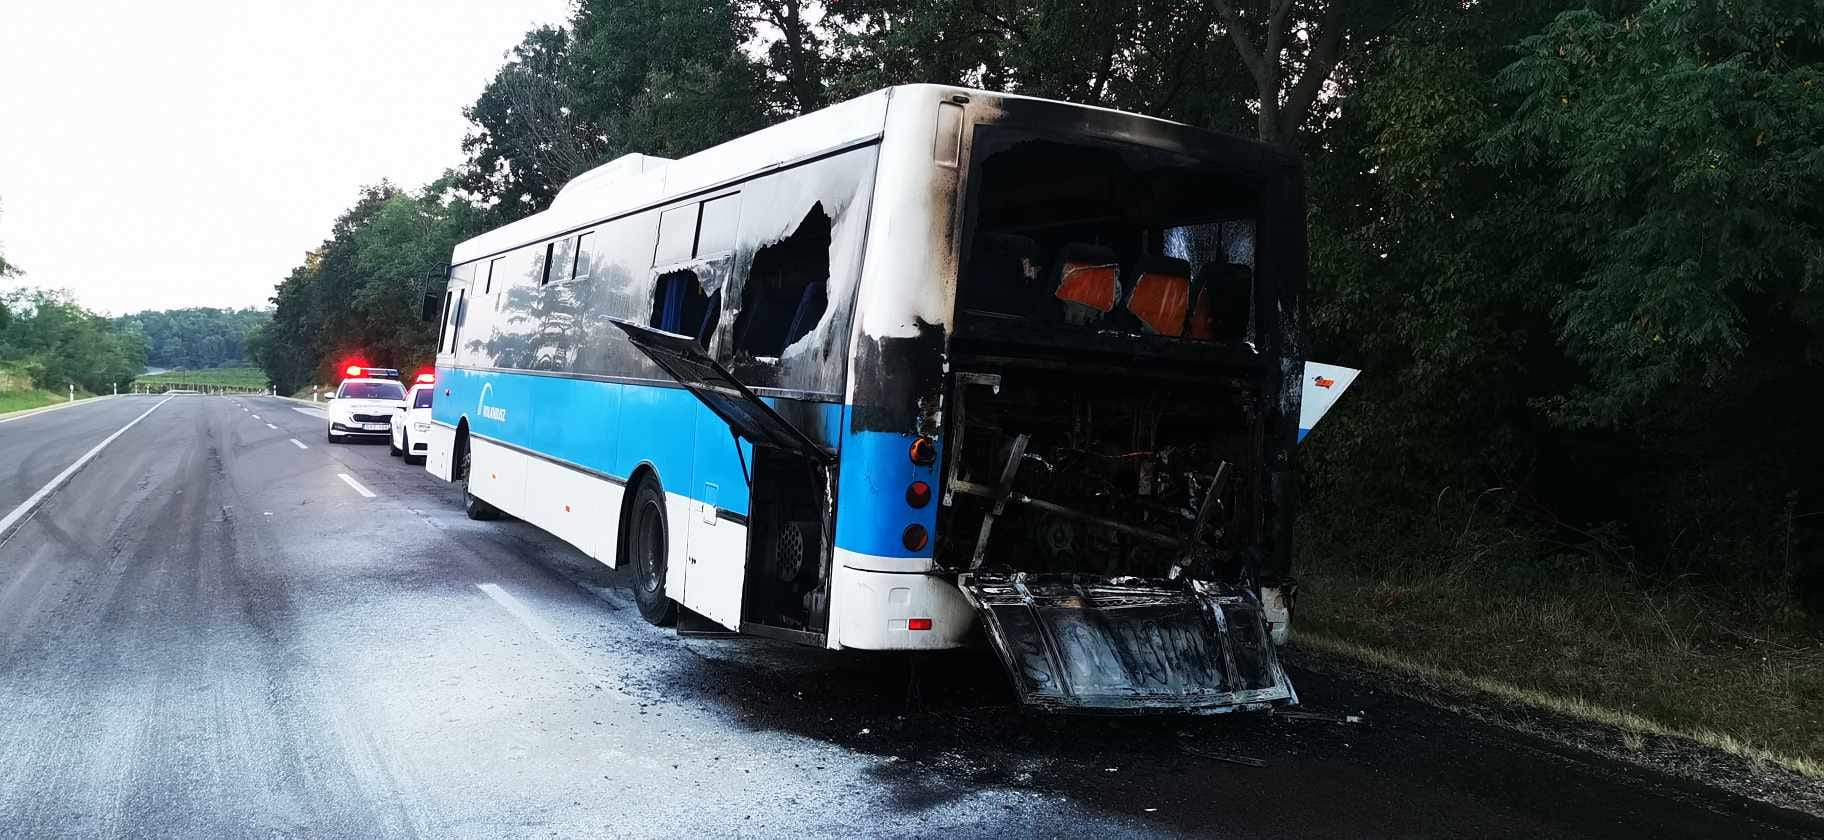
(354, 371)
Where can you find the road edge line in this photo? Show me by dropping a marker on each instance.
(27, 507)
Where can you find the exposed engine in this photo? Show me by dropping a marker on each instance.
(1062, 473)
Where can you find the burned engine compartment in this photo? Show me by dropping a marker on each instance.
(1058, 471)
(1107, 530)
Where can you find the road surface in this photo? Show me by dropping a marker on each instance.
(223, 626)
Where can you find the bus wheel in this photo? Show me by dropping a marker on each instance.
(474, 507)
(646, 548)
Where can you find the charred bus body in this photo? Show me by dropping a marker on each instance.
(977, 361)
(1116, 394)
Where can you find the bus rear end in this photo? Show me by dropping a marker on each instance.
(1074, 403)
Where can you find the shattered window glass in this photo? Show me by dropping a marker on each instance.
(797, 262)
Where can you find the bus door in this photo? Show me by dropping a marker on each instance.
(748, 418)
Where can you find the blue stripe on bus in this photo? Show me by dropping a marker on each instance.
(611, 428)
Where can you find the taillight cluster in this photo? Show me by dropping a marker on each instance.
(923, 453)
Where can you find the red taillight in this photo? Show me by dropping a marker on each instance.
(918, 624)
(353, 370)
(918, 494)
(914, 537)
(923, 451)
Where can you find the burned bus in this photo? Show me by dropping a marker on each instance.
(927, 366)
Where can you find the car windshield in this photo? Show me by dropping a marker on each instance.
(371, 391)
(422, 399)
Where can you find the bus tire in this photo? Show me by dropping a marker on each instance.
(647, 550)
(471, 504)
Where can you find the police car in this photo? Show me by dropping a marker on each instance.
(365, 403)
(414, 419)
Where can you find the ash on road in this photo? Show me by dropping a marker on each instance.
(208, 632)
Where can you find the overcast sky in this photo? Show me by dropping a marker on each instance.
(187, 153)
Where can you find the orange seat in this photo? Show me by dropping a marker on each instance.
(1089, 282)
(1159, 301)
(1162, 293)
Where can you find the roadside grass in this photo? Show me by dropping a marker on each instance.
(236, 377)
(11, 401)
(17, 393)
(1524, 620)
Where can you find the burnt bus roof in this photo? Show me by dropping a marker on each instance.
(636, 182)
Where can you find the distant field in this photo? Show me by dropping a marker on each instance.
(242, 377)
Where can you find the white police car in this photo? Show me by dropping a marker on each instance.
(365, 403)
(414, 420)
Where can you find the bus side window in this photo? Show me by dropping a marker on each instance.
(680, 306)
(787, 289)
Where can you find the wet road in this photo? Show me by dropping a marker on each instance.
(211, 631)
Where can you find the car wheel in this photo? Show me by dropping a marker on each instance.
(329, 435)
(647, 548)
(409, 457)
(391, 448)
(474, 507)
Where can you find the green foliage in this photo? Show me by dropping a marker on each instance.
(357, 296)
(1577, 254)
(57, 343)
(195, 338)
(1681, 143)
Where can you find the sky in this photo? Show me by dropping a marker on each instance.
(156, 155)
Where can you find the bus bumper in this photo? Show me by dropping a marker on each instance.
(875, 610)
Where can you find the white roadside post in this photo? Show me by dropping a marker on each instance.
(72, 392)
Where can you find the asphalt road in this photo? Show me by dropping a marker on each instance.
(210, 632)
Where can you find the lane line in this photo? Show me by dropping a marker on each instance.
(544, 630)
(26, 507)
(310, 412)
(256, 416)
(299, 443)
(356, 484)
(272, 427)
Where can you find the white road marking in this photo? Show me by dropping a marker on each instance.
(313, 412)
(272, 427)
(26, 507)
(544, 630)
(299, 443)
(256, 416)
(355, 484)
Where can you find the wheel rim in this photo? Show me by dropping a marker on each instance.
(649, 544)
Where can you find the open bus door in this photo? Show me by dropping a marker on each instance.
(775, 581)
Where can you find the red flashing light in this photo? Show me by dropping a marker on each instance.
(918, 494)
(427, 378)
(353, 370)
(918, 624)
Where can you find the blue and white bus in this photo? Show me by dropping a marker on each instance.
(927, 364)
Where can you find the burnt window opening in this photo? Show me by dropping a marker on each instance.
(787, 289)
(680, 306)
(1077, 236)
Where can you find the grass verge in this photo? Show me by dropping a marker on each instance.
(11, 401)
(1501, 614)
